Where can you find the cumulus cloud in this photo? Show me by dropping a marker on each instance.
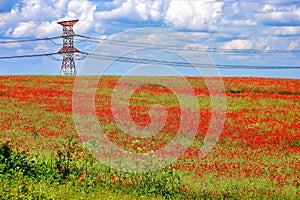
(24, 29)
(40, 10)
(135, 10)
(47, 29)
(41, 47)
(286, 30)
(239, 44)
(273, 15)
(38, 17)
(84, 11)
(268, 8)
(193, 15)
(246, 22)
(226, 24)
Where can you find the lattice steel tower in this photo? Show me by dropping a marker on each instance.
(68, 49)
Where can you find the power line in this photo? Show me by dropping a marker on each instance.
(153, 61)
(27, 56)
(52, 57)
(168, 47)
(182, 64)
(29, 40)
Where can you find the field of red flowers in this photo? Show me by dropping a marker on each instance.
(257, 155)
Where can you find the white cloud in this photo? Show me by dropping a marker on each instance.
(10, 45)
(188, 14)
(286, 30)
(23, 51)
(294, 45)
(239, 44)
(60, 5)
(265, 43)
(48, 29)
(41, 47)
(24, 29)
(268, 8)
(38, 10)
(236, 24)
(135, 10)
(279, 16)
(248, 22)
(195, 15)
(84, 11)
(38, 17)
(2, 22)
(32, 8)
(244, 23)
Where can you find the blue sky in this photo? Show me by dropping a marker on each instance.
(261, 24)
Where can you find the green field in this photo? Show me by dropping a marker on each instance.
(256, 157)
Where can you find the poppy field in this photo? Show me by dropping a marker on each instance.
(257, 155)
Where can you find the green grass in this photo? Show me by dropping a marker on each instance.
(255, 158)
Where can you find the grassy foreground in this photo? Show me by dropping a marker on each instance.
(256, 157)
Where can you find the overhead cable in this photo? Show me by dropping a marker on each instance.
(187, 48)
